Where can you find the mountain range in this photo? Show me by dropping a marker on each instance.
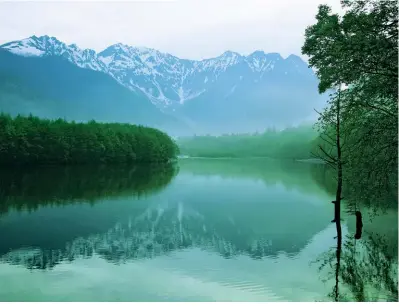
(229, 93)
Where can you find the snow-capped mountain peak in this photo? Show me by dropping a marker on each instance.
(32, 46)
(51, 46)
(163, 78)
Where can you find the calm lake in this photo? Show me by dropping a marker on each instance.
(205, 230)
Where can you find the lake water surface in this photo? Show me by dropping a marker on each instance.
(210, 230)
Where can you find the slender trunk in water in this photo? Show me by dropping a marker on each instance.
(338, 198)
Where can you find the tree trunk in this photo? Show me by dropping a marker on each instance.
(337, 218)
(338, 195)
(338, 198)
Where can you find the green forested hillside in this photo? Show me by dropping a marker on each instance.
(30, 140)
(292, 143)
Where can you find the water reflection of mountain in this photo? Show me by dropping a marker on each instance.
(229, 216)
(48, 207)
(159, 230)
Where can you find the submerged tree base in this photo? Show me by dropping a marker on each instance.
(30, 140)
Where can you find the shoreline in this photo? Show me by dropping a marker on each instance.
(312, 161)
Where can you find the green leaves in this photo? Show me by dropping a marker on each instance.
(360, 49)
(362, 43)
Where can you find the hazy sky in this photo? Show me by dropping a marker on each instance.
(191, 29)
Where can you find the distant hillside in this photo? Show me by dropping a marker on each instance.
(228, 93)
(52, 87)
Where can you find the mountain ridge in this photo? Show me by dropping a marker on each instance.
(125, 63)
(228, 93)
(73, 45)
(63, 90)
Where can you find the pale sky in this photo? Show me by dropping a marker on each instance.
(192, 29)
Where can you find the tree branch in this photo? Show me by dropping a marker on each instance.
(327, 141)
(328, 155)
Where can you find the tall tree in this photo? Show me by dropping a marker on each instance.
(360, 51)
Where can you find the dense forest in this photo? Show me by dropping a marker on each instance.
(356, 56)
(291, 143)
(30, 140)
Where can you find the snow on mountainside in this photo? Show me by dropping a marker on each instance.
(165, 79)
(46, 46)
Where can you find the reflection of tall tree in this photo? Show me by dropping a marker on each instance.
(33, 187)
(371, 264)
(338, 254)
(325, 177)
(365, 270)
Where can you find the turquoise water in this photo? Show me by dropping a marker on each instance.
(210, 230)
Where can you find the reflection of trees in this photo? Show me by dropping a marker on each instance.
(377, 200)
(220, 223)
(31, 188)
(338, 255)
(371, 265)
(293, 175)
(362, 270)
(366, 269)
